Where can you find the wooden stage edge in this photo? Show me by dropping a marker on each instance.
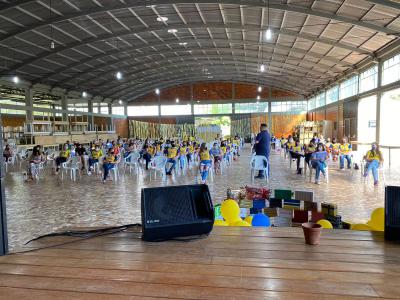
(232, 263)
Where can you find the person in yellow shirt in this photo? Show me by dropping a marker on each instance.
(335, 148)
(190, 152)
(182, 151)
(345, 153)
(296, 153)
(172, 156)
(374, 159)
(308, 151)
(109, 162)
(65, 153)
(96, 154)
(205, 162)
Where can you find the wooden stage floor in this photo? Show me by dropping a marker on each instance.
(232, 263)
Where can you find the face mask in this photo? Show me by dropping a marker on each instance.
(374, 147)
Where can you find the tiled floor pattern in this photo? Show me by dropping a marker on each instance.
(51, 204)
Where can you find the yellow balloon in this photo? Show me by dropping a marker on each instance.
(248, 219)
(377, 221)
(325, 224)
(220, 223)
(240, 223)
(363, 227)
(230, 210)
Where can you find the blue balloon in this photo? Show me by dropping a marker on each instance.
(260, 220)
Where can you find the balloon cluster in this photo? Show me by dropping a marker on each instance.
(230, 211)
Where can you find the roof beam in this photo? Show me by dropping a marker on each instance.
(256, 28)
(206, 60)
(387, 3)
(249, 3)
(156, 60)
(145, 49)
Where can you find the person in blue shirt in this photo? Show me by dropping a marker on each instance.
(262, 146)
(217, 154)
(318, 161)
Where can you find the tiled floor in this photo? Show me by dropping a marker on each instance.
(50, 204)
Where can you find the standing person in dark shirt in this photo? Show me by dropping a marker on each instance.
(81, 152)
(262, 145)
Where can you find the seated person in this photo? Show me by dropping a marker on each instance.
(217, 154)
(289, 144)
(236, 141)
(374, 159)
(65, 154)
(296, 153)
(328, 145)
(109, 162)
(190, 151)
(7, 152)
(205, 162)
(318, 161)
(33, 163)
(80, 151)
(148, 152)
(308, 151)
(182, 151)
(96, 154)
(172, 156)
(335, 148)
(345, 153)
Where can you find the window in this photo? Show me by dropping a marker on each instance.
(311, 103)
(118, 110)
(241, 108)
(138, 111)
(391, 70)
(7, 111)
(332, 95)
(289, 106)
(369, 79)
(320, 100)
(349, 87)
(176, 110)
(104, 110)
(212, 109)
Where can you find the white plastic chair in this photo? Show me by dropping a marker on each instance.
(158, 165)
(132, 161)
(72, 165)
(10, 162)
(259, 163)
(381, 171)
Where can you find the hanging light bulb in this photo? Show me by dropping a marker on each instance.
(84, 94)
(259, 88)
(262, 68)
(157, 92)
(15, 79)
(120, 101)
(52, 45)
(268, 34)
(258, 98)
(118, 75)
(177, 100)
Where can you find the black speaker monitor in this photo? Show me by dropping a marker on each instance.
(176, 211)
(392, 213)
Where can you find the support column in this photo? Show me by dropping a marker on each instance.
(64, 107)
(111, 119)
(378, 104)
(191, 99)
(29, 104)
(90, 117)
(126, 110)
(269, 110)
(3, 216)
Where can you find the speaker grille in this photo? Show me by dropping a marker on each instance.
(392, 206)
(168, 206)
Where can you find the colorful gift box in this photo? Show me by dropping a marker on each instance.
(259, 203)
(329, 209)
(283, 194)
(292, 204)
(273, 202)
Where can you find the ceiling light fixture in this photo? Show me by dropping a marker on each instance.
(118, 75)
(268, 34)
(120, 101)
(172, 30)
(262, 68)
(258, 98)
(183, 44)
(259, 88)
(84, 94)
(52, 45)
(15, 79)
(162, 19)
(157, 92)
(177, 100)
